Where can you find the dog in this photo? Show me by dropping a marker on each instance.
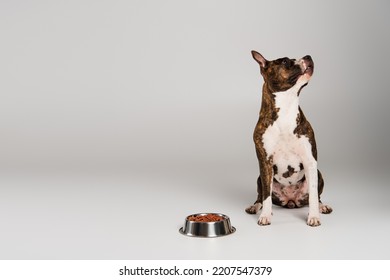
(285, 143)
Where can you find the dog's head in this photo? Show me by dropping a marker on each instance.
(284, 73)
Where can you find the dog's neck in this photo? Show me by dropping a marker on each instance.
(282, 106)
(286, 100)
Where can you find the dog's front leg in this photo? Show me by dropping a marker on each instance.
(266, 174)
(311, 174)
(312, 181)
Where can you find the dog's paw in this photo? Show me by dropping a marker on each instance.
(313, 221)
(325, 209)
(253, 209)
(264, 220)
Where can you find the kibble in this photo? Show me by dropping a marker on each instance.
(205, 218)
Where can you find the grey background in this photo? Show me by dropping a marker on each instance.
(120, 118)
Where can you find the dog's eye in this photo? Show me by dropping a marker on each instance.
(285, 61)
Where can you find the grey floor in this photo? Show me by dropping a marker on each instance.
(135, 213)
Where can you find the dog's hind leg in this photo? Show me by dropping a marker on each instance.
(324, 209)
(255, 208)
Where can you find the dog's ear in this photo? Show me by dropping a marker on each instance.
(260, 59)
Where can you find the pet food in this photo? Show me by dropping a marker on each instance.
(205, 218)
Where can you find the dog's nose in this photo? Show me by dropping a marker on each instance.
(307, 57)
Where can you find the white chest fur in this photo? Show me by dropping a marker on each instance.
(279, 139)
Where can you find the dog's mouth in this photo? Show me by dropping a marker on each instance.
(307, 65)
(308, 69)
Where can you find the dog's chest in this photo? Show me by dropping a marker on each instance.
(282, 143)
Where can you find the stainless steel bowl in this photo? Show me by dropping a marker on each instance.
(207, 229)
